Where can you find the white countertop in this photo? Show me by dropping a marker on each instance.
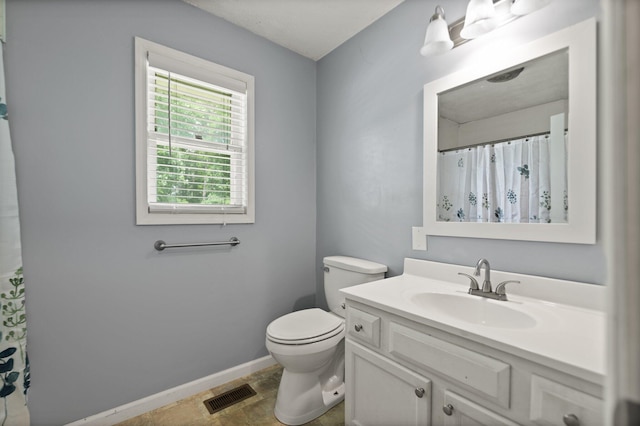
(569, 336)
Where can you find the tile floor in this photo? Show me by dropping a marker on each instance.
(256, 410)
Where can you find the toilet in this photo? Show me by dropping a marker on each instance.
(309, 344)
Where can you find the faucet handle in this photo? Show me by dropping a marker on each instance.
(500, 287)
(473, 285)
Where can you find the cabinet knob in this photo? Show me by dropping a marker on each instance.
(571, 420)
(448, 409)
(343, 305)
(358, 327)
(419, 392)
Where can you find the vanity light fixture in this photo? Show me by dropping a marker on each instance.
(437, 40)
(524, 7)
(482, 16)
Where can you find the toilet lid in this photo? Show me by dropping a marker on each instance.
(304, 325)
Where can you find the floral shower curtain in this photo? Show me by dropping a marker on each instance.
(502, 182)
(14, 363)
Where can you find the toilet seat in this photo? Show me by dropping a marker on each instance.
(304, 327)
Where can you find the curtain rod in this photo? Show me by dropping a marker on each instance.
(495, 142)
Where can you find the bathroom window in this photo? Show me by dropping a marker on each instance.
(194, 139)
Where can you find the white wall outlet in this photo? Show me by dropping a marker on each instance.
(419, 238)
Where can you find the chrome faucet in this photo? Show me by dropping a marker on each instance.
(486, 284)
(486, 291)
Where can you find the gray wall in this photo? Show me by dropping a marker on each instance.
(110, 319)
(370, 144)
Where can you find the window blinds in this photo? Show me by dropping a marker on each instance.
(197, 150)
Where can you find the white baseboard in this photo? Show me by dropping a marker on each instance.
(141, 406)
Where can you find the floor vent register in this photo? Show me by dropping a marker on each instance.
(229, 398)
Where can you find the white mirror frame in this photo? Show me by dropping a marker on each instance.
(580, 228)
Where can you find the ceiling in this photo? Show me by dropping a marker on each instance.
(312, 28)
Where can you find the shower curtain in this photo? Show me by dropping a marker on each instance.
(14, 363)
(502, 182)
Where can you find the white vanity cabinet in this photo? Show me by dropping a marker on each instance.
(403, 372)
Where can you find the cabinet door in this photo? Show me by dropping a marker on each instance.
(554, 403)
(381, 392)
(462, 412)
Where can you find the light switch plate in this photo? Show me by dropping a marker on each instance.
(419, 238)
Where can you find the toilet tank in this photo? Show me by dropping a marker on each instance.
(343, 271)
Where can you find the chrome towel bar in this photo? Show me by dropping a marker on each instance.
(161, 245)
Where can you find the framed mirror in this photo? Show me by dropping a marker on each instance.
(510, 146)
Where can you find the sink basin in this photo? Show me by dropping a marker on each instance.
(474, 309)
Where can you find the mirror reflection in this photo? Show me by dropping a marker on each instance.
(502, 146)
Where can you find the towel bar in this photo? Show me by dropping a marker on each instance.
(161, 245)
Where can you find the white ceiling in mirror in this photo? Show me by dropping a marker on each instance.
(312, 28)
(547, 76)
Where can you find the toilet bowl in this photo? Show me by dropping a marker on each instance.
(311, 382)
(309, 344)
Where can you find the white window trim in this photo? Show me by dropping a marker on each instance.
(203, 68)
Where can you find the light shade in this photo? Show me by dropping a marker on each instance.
(524, 7)
(437, 40)
(480, 19)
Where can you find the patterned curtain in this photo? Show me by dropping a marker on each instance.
(14, 363)
(502, 182)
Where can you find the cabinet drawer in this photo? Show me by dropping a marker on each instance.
(556, 404)
(363, 326)
(487, 376)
